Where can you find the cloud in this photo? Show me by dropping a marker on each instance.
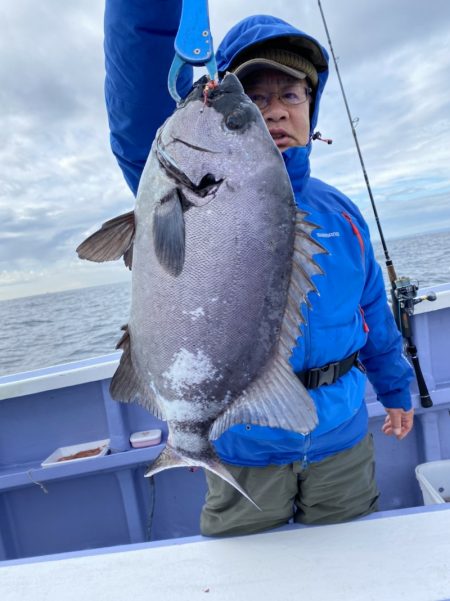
(403, 130)
(59, 180)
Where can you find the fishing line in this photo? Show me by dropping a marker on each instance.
(403, 290)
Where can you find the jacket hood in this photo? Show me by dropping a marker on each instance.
(260, 29)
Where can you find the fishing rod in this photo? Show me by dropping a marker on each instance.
(403, 289)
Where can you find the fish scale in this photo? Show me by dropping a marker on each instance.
(221, 262)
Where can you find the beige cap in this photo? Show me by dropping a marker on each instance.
(276, 58)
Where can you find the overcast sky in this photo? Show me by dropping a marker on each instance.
(59, 180)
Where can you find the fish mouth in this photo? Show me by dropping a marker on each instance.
(194, 194)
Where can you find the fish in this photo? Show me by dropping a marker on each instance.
(222, 262)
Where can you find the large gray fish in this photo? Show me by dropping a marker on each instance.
(221, 264)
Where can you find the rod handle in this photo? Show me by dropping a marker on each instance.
(425, 399)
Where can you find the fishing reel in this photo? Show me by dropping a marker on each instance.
(405, 295)
(404, 299)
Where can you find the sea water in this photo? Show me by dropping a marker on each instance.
(50, 329)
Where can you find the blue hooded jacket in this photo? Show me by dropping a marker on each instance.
(350, 313)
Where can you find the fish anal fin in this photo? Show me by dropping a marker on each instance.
(276, 399)
(171, 458)
(111, 241)
(169, 233)
(126, 385)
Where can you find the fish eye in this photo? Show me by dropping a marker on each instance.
(236, 120)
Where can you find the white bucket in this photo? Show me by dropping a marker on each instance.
(434, 481)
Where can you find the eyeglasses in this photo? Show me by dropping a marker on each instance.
(289, 97)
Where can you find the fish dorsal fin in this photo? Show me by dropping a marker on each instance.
(276, 399)
(126, 386)
(169, 234)
(303, 266)
(111, 241)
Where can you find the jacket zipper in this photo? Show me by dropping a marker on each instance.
(355, 231)
(365, 326)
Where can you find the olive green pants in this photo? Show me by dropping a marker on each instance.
(337, 489)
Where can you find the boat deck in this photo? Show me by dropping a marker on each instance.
(396, 555)
(106, 501)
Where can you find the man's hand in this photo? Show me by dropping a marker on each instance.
(398, 422)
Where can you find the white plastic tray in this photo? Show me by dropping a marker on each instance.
(56, 456)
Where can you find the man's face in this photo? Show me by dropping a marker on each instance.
(288, 124)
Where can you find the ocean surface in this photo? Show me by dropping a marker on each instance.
(50, 329)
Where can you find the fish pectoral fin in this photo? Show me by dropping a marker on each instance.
(276, 399)
(169, 234)
(126, 386)
(111, 241)
(171, 458)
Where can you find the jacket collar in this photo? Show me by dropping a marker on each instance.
(297, 165)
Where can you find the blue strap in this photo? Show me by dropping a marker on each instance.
(193, 43)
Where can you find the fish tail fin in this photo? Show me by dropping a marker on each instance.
(220, 470)
(171, 458)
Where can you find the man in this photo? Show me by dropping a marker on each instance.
(328, 475)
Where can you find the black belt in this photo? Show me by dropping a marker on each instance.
(328, 374)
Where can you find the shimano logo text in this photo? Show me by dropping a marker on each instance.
(328, 234)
